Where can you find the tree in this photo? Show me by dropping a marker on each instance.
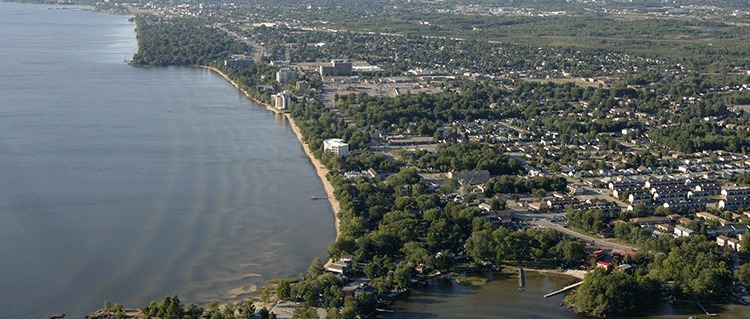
(193, 312)
(745, 245)
(333, 313)
(450, 185)
(379, 266)
(640, 210)
(603, 294)
(743, 274)
(570, 252)
(351, 308)
(117, 308)
(497, 204)
(170, 308)
(107, 306)
(304, 311)
(480, 246)
(403, 274)
(316, 268)
(442, 235)
(662, 211)
(539, 192)
(284, 290)
(696, 268)
(415, 253)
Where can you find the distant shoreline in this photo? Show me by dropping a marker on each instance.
(320, 169)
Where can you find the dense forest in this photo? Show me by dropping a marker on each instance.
(170, 41)
(701, 136)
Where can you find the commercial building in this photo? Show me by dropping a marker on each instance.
(337, 68)
(238, 60)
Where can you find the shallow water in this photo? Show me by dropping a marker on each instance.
(501, 298)
(128, 184)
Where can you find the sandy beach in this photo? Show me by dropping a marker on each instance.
(567, 272)
(320, 169)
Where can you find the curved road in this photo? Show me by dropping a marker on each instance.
(597, 241)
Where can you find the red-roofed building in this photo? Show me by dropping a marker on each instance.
(622, 253)
(606, 265)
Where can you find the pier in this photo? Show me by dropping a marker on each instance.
(706, 311)
(564, 289)
(521, 278)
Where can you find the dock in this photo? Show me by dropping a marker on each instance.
(564, 289)
(706, 311)
(384, 310)
(521, 278)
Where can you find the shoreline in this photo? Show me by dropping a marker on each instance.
(568, 272)
(320, 169)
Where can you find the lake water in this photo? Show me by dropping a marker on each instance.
(129, 184)
(500, 298)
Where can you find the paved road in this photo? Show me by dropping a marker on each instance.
(599, 242)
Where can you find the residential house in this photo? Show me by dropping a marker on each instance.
(729, 193)
(649, 221)
(680, 231)
(709, 216)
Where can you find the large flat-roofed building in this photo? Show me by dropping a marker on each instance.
(283, 100)
(284, 76)
(238, 60)
(342, 67)
(336, 146)
(337, 68)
